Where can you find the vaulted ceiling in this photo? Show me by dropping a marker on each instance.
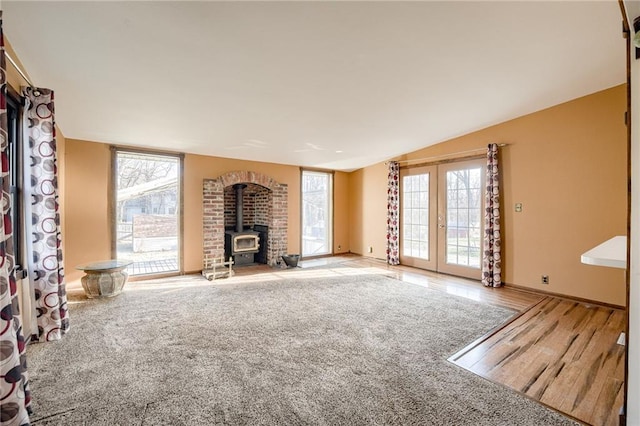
(337, 85)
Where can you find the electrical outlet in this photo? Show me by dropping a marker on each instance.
(339, 247)
(544, 279)
(518, 207)
(370, 249)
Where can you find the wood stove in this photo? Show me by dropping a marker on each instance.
(241, 244)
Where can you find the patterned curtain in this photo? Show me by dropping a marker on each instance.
(15, 397)
(393, 214)
(491, 259)
(44, 240)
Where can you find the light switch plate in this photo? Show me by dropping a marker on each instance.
(518, 207)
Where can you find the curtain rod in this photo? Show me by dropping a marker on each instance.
(22, 73)
(445, 155)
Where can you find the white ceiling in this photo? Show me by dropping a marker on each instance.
(337, 85)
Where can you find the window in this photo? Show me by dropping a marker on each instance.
(317, 213)
(464, 216)
(148, 223)
(416, 215)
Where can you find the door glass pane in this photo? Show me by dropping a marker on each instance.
(415, 206)
(463, 212)
(147, 212)
(316, 213)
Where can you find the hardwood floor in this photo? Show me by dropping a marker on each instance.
(508, 297)
(562, 353)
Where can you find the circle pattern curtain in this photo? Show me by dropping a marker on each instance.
(492, 252)
(15, 398)
(44, 238)
(393, 214)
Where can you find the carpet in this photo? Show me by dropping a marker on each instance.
(326, 347)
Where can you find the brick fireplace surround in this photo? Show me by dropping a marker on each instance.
(214, 214)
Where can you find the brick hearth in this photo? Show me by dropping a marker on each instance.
(270, 210)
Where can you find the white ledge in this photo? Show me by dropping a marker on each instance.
(611, 253)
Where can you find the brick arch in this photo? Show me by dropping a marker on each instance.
(232, 178)
(213, 214)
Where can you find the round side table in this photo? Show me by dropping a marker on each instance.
(105, 278)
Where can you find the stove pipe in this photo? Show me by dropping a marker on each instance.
(239, 187)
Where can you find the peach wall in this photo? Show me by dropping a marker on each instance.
(87, 225)
(567, 165)
(368, 211)
(87, 214)
(341, 217)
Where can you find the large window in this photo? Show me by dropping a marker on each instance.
(147, 211)
(317, 213)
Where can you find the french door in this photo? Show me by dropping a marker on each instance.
(418, 204)
(442, 221)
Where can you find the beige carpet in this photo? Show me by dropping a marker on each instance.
(329, 346)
